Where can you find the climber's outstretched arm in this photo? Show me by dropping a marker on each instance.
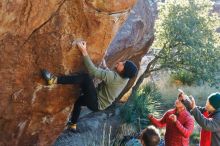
(103, 74)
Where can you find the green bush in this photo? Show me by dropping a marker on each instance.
(144, 101)
(185, 77)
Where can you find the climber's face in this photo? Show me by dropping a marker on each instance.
(119, 67)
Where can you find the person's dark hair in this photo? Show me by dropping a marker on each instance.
(130, 69)
(150, 136)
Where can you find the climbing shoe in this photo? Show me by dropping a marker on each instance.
(49, 77)
(72, 128)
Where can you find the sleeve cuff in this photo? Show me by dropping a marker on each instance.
(177, 123)
(193, 110)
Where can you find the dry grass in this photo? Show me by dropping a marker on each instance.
(170, 91)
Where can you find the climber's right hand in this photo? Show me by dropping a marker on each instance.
(82, 47)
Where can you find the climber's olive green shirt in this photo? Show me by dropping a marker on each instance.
(111, 86)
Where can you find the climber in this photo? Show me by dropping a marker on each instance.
(113, 82)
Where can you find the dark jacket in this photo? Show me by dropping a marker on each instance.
(210, 124)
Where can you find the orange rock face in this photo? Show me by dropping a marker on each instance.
(111, 6)
(37, 34)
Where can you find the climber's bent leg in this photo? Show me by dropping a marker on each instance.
(76, 110)
(72, 79)
(91, 102)
(87, 87)
(87, 98)
(89, 92)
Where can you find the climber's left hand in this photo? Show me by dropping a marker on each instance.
(82, 47)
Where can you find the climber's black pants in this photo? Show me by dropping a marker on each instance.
(87, 98)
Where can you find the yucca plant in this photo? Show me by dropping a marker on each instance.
(146, 100)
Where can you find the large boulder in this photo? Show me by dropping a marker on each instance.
(37, 34)
(95, 129)
(132, 41)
